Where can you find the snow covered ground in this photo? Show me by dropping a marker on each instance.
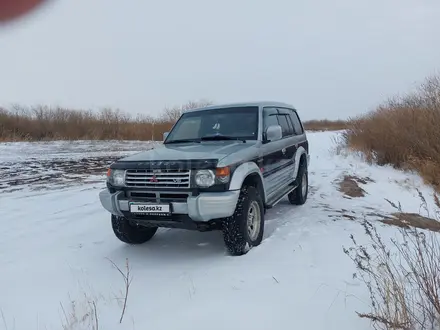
(56, 245)
(42, 165)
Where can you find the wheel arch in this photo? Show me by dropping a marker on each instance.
(248, 173)
(300, 157)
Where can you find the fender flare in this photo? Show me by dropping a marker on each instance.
(301, 151)
(242, 172)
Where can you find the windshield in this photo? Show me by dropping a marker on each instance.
(226, 123)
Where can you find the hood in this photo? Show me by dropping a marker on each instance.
(182, 151)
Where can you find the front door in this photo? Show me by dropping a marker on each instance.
(274, 156)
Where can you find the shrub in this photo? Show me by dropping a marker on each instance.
(325, 125)
(404, 286)
(403, 132)
(44, 123)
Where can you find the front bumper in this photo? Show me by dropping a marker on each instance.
(201, 208)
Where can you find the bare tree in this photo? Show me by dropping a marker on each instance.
(172, 114)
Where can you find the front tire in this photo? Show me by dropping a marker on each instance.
(299, 195)
(245, 228)
(129, 233)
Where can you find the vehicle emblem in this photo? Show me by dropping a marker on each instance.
(154, 179)
(177, 180)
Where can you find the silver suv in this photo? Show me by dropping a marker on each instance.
(219, 168)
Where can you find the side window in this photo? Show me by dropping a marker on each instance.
(286, 124)
(296, 123)
(269, 118)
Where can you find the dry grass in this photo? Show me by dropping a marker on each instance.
(127, 282)
(403, 132)
(84, 313)
(325, 125)
(349, 185)
(403, 282)
(41, 123)
(407, 220)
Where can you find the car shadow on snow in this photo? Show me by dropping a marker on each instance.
(279, 215)
(176, 244)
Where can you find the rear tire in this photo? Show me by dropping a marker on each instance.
(129, 233)
(245, 228)
(299, 195)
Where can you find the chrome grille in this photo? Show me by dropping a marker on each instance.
(166, 178)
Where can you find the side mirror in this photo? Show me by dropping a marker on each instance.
(273, 133)
(165, 135)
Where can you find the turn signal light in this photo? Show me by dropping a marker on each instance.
(222, 171)
(223, 174)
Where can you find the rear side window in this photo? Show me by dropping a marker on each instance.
(285, 122)
(296, 123)
(293, 120)
(286, 118)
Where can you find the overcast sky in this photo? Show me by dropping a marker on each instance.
(329, 58)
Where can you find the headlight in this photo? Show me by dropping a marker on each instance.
(116, 177)
(208, 178)
(205, 178)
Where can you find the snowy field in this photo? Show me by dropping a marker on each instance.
(43, 165)
(56, 245)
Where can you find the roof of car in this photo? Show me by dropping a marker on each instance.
(243, 104)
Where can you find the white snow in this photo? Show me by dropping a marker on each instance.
(54, 246)
(25, 151)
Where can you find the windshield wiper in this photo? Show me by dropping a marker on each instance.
(220, 137)
(183, 141)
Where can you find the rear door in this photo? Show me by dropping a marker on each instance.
(288, 145)
(299, 138)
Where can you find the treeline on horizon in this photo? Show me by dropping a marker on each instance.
(43, 123)
(402, 131)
